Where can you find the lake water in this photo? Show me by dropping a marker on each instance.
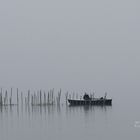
(119, 121)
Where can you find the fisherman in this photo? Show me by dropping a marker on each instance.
(86, 97)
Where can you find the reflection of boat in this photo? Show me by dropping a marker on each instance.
(91, 101)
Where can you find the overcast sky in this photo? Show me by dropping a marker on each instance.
(73, 45)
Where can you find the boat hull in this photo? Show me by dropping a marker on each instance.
(90, 102)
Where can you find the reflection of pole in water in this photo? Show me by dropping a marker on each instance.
(58, 109)
(17, 110)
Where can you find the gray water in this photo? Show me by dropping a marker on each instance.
(119, 121)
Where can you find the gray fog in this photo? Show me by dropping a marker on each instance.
(74, 45)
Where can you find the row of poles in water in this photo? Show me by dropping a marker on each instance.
(36, 98)
(39, 98)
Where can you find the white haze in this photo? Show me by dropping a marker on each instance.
(75, 45)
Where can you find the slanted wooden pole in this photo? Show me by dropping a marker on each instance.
(21, 98)
(59, 96)
(5, 99)
(66, 95)
(40, 97)
(44, 98)
(28, 97)
(32, 100)
(35, 99)
(38, 100)
(1, 100)
(17, 97)
(48, 99)
(11, 97)
(52, 95)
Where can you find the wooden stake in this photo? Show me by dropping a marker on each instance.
(28, 97)
(40, 97)
(17, 97)
(21, 98)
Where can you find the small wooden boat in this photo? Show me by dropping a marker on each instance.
(90, 101)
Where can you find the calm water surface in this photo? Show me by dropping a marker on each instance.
(64, 122)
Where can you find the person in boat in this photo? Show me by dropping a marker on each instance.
(86, 97)
(101, 98)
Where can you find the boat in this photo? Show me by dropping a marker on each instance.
(90, 101)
